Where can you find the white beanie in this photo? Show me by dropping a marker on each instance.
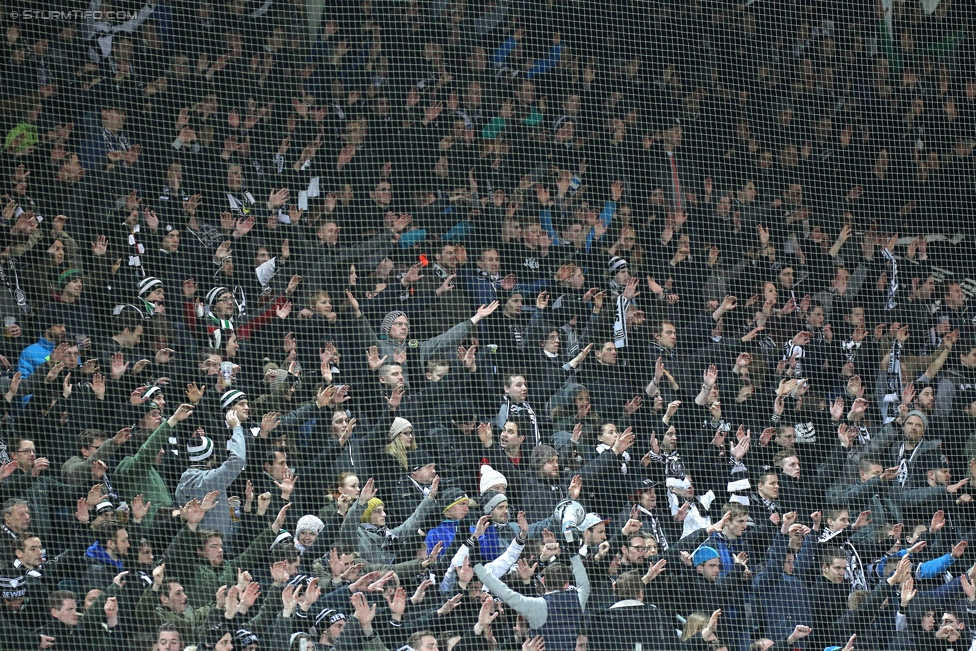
(490, 478)
(309, 523)
(399, 425)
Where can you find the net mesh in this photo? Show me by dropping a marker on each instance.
(498, 324)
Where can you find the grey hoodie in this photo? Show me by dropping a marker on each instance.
(197, 482)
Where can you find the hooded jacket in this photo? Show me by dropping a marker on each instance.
(380, 545)
(197, 482)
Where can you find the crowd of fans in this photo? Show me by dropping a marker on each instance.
(489, 325)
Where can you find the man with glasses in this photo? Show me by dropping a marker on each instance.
(43, 493)
(634, 550)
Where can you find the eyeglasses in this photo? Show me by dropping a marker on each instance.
(28, 451)
(225, 299)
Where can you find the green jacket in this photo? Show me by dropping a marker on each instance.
(204, 581)
(191, 622)
(137, 474)
(77, 470)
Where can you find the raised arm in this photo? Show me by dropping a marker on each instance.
(534, 609)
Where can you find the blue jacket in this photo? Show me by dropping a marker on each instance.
(97, 553)
(782, 598)
(491, 544)
(727, 549)
(564, 617)
(35, 355)
(444, 532)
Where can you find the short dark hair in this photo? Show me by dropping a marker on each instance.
(107, 531)
(830, 553)
(88, 436)
(270, 456)
(127, 320)
(864, 464)
(511, 374)
(58, 597)
(17, 544)
(557, 575)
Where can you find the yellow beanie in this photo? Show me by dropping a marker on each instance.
(371, 506)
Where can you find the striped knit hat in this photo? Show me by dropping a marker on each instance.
(199, 448)
(231, 397)
(214, 294)
(147, 284)
(388, 321)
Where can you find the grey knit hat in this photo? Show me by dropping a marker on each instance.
(922, 416)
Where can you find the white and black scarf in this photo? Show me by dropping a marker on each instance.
(655, 529)
(10, 278)
(515, 409)
(855, 567)
(892, 280)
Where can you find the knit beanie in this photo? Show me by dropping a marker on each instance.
(922, 416)
(452, 497)
(616, 265)
(703, 555)
(282, 538)
(244, 637)
(214, 294)
(327, 617)
(388, 322)
(371, 506)
(147, 284)
(309, 523)
(199, 448)
(541, 455)
(213, 635)
(13, 587)
(231, 397)
(490, 478)
(493, 498)
(399, 424)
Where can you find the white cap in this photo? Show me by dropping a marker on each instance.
(591, 520)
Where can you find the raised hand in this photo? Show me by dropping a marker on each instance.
(373, 358)
(396, 396)
(484, 311)
(655, 570)
(709, 377)
(139, 508)
(287, 484)
(367, 492)
(279, 521)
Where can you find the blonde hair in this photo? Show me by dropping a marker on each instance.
(318, 294)
(694, 625)
(398, 450)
